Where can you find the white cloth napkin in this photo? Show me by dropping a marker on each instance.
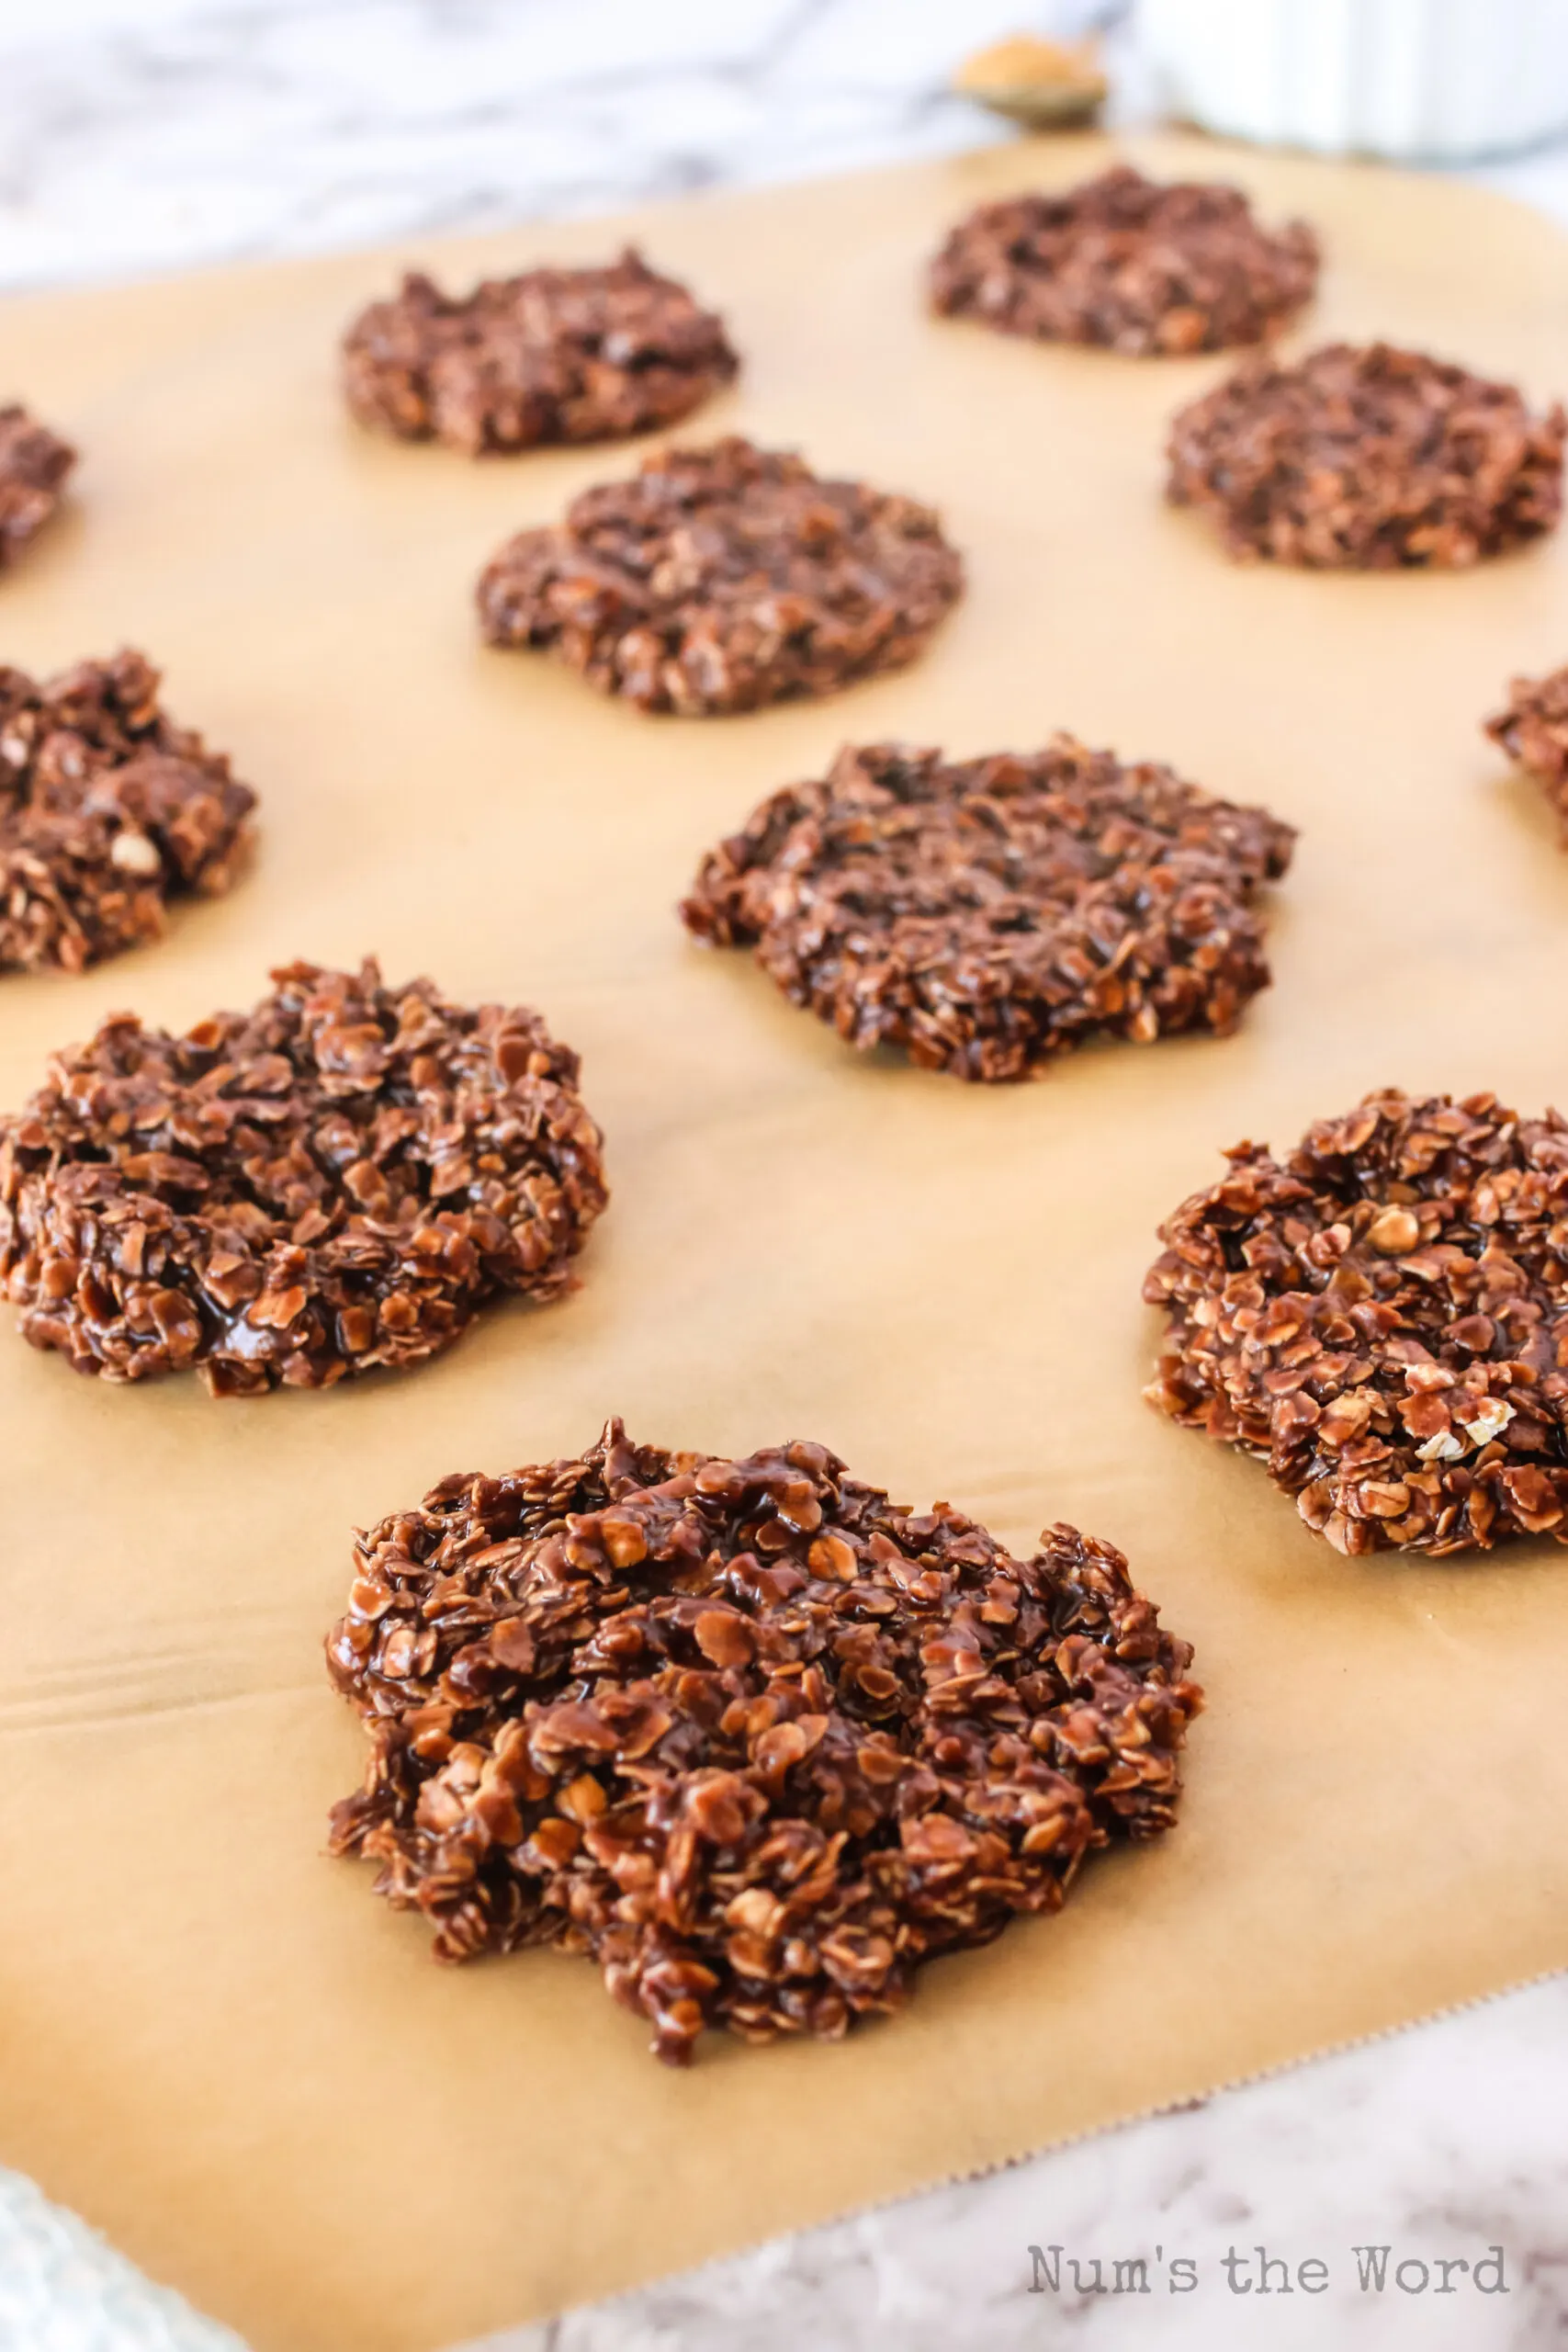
(64, 2289)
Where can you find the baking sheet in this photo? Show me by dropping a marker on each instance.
(215, 2042)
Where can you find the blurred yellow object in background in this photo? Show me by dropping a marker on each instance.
(1047, 85)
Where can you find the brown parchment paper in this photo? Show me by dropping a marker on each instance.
(214, 2041)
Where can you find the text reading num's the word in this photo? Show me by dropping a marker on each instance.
(1376, 2270)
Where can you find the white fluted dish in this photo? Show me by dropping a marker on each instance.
(1415, 80)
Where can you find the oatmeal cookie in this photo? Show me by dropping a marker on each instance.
(108, 810)
(1129, 264)
(1367, 458)
(723, 578)
(986, 915)
(553, 354)
(1533, 730)
(1380, 1316)
(33, 466)
(753, 1737)
(338, 1178)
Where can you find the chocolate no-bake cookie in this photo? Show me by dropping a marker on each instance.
(985, 915)
(34, 463)
(1380, 1316)
(1366, 458)
(1533, 730)
(753, 1737)
(723, 577)
(338, 1178)
(108, 810)
(554, 355)
(1129, 264)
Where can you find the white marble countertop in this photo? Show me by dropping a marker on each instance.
(139, 135)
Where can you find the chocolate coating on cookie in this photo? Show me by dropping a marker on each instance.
(107, 811)
(553, 354)
(1128, 264)
(1368, 458)
(720, 579)
(986, 915)
(34, 463)
(336, 1180)
(1380, 1317)
(756, 1739)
